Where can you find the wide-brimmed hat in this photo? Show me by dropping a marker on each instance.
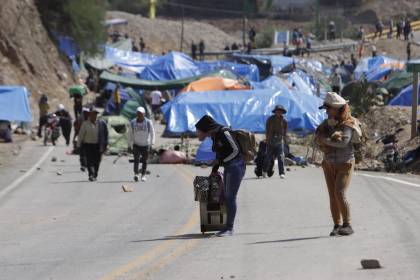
(333, 100)
(141, 109)
(94, 110)
(279, 107)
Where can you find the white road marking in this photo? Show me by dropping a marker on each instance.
(28, 173)
(392, 180)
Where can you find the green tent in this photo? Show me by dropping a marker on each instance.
(117, 133)
(130, 107)
(77, 89)
(398, 81)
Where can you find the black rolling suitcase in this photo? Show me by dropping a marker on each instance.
(209, 192)
(259, 160)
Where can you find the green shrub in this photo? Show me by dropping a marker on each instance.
(264, 39)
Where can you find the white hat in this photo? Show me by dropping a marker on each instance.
(84, 109)
(141, 110)
(60, 107)
(333, 100)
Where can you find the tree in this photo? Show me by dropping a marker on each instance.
(83, 20)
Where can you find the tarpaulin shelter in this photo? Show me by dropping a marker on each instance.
(247, 109)
(272, 82)
(245, 71)
(205, 154)
(130, 100)
(398, 81)
(278, 62)
(404, 98)
(117, 133)
(375, 68)
(214, 83)
(134, 61)
(147, 84)
(172, 66)
(14, 104)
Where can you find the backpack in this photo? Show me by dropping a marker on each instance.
(358, 140)
(247, 143)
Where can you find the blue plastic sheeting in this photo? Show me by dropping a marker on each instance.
(377, 74)
(278, 62)
(404, 98)
(372, 64)
(134, 61)
(246, 71)
(272, 82)
(172, 66)
(14, 104)
(205, 154)
(67, 46)
(247, 109)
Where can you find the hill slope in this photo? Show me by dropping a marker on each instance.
(27, 54)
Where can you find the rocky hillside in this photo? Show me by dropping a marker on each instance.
(27, 54)
(161, 35)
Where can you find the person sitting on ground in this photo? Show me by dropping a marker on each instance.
(227, 155)
(333, 137)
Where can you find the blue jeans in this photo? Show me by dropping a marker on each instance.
(278, 152)
(233, 174)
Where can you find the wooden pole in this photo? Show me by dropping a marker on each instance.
(182, 31)
(415, 99)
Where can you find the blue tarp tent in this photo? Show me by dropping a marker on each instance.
(278, 62)
(134, 61)
(14, 104)
(205, 154)
(172, 66)
(248, 109)
(375, 67)
(249, 72)
(404, 98)
(272, 82)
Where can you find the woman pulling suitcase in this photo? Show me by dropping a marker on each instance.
(229, 156)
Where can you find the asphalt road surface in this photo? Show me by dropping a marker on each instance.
(64, 227)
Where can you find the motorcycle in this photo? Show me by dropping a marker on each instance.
(390, 155)
(52, 129)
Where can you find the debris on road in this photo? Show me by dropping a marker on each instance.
(54, 159)
(370, 264)
(59, 173)
(126, 188)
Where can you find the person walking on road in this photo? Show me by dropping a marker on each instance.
(44, 107)
(65, 122)
(77, 125)
(333, 137)
(229, 156)
(93, 136)
(141, 138)
(275, 135)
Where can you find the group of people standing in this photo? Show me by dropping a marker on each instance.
(333, 136)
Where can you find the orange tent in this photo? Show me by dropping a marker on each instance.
(214, 83)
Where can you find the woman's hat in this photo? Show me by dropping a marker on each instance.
(279, 107)
(333, 100)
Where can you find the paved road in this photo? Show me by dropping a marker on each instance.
(63, 227)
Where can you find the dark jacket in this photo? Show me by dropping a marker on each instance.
(225, 146)
(103, 136)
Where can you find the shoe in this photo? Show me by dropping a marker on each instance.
(136, 178)
(91, 178)
(282, 176)
(143, 178)
(83, 169)
(264, 174)
(335, 230)
(225, 232)
(345, 230)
